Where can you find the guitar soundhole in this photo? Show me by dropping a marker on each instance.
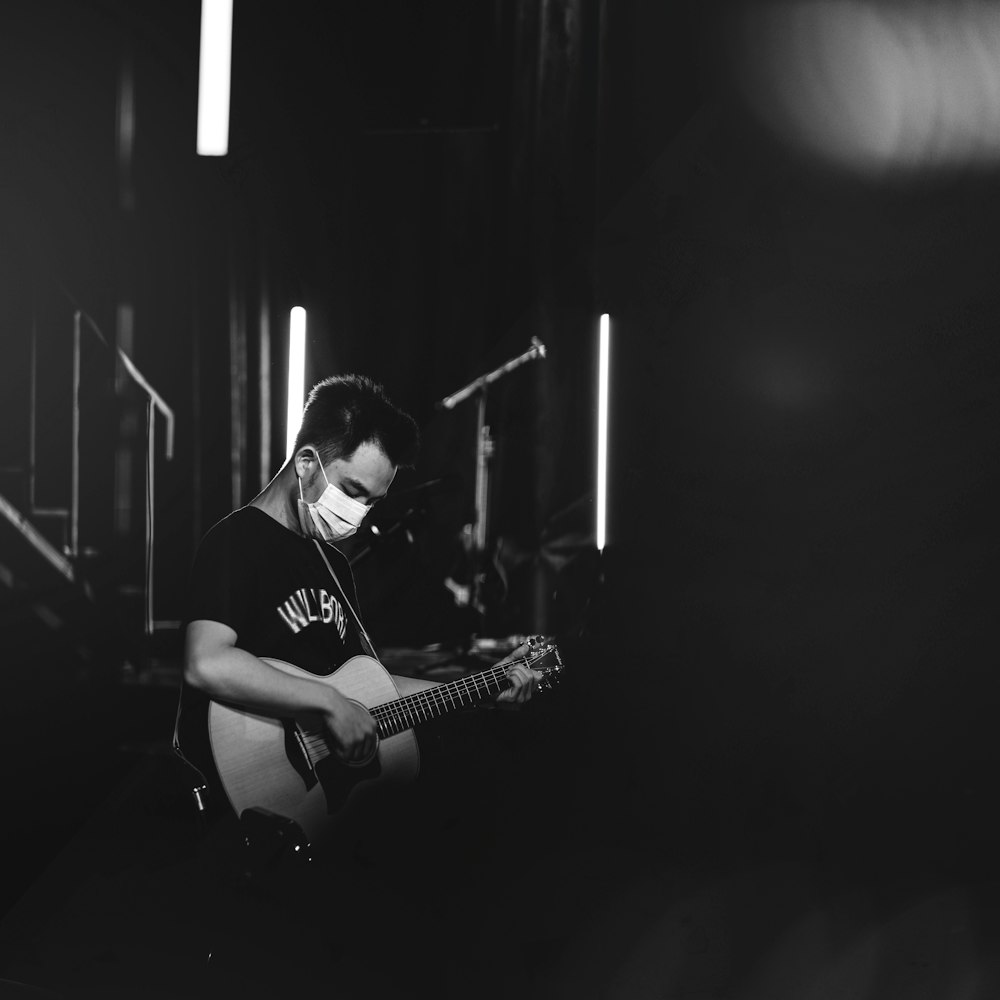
(368, 760)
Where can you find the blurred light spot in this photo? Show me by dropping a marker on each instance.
(789, 379)
(877, 86)
(125, 134)
(791, 382)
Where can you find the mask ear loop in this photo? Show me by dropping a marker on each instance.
(319, 462)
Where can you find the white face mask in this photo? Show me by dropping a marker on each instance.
(334, 516)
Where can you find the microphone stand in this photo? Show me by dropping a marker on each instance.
(484, 452)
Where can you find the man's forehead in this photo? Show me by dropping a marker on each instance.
(367, 455)
(368, 467)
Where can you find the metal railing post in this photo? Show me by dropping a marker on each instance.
(154, 402)
(33, 404)
(74, 506)
(150, 508)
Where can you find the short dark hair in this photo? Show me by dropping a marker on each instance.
(346, 411)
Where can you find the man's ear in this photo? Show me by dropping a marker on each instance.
(305, 461)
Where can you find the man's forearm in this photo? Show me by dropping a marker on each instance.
(237, 676)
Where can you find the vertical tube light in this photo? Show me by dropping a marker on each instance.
(214, 77)
(296, 375)
(602, 429)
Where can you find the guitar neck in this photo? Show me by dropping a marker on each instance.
(396, 716)
(404, 713)
(400, 714)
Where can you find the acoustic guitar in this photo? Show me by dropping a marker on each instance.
(285, 768)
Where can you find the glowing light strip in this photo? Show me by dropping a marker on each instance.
(602, 430)
(296, 375)
(213, 77)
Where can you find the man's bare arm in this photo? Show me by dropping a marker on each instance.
(214, 664)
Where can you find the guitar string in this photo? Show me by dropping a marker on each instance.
(441, 695)
(432, 704)
(434, 700)
(394, 722)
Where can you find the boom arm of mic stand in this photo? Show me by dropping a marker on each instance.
(484, 447)
(537, 350)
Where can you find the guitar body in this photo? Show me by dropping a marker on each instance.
(289, 769)
(262, 762)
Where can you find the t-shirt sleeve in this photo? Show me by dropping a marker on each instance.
(222, 583)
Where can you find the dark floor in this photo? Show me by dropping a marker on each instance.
(546, 866)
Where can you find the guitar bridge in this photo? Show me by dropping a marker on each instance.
(300, 741)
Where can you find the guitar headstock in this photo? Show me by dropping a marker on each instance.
(543, 657)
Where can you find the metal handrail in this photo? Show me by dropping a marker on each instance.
(155, 402)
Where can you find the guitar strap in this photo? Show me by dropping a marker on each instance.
(366, 642)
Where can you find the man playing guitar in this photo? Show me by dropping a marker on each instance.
(269, 582)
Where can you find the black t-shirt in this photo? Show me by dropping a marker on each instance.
(272, 588)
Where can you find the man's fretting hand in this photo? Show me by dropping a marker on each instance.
(523, 680)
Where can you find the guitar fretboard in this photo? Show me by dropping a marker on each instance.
(404, 713)
(393, 717)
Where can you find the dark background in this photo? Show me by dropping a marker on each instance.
(785, 650)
